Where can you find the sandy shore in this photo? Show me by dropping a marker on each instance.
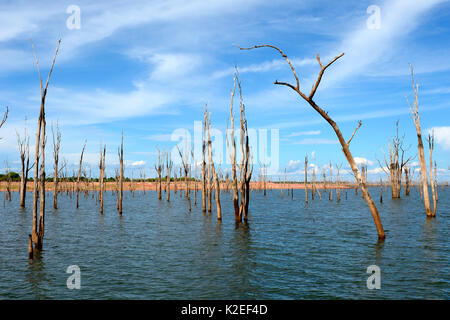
(148, 186)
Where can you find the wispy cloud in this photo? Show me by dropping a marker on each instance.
(316, 141)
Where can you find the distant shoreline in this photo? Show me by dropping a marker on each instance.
(180, 185)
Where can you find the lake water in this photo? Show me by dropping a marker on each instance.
(288, 250)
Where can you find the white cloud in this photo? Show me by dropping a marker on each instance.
(304, 133)
(265, 66)
(317, 141)
(442, 136)
(361, 160)
(294, 165)
(139, 163)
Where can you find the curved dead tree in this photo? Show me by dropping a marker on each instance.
(414, 109)
(36, 239)
(345, 144)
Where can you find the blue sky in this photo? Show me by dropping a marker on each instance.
(148, 68)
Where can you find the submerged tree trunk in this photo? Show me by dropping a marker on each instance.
(101, 178)
(169, 165)
(24, 152)
(120, 153)
(56, 146)
(432, 181)
(306, 179)
(79, 174)
(213, 169)
(234, 182)
(414, 108)
(37, 235)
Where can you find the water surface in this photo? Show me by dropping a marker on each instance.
(288, 250)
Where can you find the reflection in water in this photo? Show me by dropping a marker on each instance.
(287, 250)
(36, 275)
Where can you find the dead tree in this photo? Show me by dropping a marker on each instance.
(396, 165)
(407, 172)
(57, 169)
(381, 190)
(204, 191)
(232, 155)
(159, 169)
(80, 167)
(338, 183)
(37, 236)
(432, 180)
(24, 152)
(313, 192)
(345, 144)
(213, 169)
(306, 179)
(142, 176)
(414, 108)
(120, 194)
(101, 167)
(8, 181)
(185, 163)
(330, 194)
(246, 167)
(169, 165)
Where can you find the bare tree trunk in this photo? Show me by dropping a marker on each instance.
(381, 190)
(407, 182)
(120, 153)
(79, 174)
(306, 179)
(344, 144)
(313, 193)
(24, 151)
(169, 165)
(338, 181)
(234, 183)
(213, 170)
(56, 147)
(101, 178)
(432, 181)
(158, 169)
(37, 236)
(204, 191)
(414, 108)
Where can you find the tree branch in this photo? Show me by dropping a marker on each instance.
(356, 129)
(322, 70)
